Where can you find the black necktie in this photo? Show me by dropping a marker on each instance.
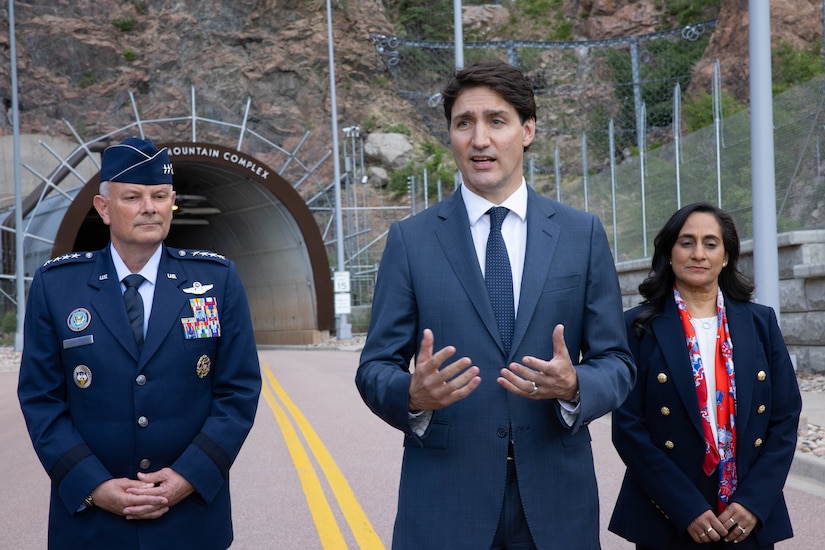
(134, 305)
(499, 278)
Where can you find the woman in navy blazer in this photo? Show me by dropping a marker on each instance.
(673, 495)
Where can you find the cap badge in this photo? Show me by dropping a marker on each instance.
(82, 376)
(79, 319)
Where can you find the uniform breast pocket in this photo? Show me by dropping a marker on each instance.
(201, 343)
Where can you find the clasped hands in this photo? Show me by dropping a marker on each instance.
(433, 387)
(732, 525)
(148, 497)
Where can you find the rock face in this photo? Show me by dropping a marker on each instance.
(392, 150)
(79, 61)
(796, 22)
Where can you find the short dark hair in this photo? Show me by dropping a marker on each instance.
(503, 78)
(658, 286)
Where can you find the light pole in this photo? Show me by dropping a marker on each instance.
(765, 253)
(343, 329)
(20, 282)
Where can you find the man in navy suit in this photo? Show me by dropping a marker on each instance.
(138, 403)
(495, 413)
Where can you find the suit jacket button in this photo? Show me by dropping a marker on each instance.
(758, 442)
(140, 380)
(761, 375)
(661, 377)
(760, 409)
(144, 464)
(502, 432)
(143, 421)
(665, 411)
(669, 444)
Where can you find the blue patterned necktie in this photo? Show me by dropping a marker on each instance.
(499, 278)
(134, 305)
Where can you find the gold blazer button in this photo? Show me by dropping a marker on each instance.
(662, 378)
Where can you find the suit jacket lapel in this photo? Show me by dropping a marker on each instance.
(542, 242)
(108, 302)
(744, 358)
(671, 338)
(453, 233)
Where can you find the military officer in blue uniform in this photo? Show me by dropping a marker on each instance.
(138, 410)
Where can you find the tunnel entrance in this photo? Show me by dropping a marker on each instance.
(230, 203)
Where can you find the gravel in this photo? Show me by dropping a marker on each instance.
(811, 437)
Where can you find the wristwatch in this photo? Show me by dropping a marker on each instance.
(88, 501)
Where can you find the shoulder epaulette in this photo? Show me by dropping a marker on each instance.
(197, 255)
(70, 258)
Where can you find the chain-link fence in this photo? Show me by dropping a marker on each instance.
(609, 129)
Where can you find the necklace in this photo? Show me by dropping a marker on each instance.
(705, 322)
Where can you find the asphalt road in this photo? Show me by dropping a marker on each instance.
(319, 470)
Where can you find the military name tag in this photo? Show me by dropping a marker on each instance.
(70, 343)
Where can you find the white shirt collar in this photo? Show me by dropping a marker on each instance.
(478, 206)
(149, 271)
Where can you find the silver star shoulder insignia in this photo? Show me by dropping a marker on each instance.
(69, 258)
(198, 288)
(207, 254)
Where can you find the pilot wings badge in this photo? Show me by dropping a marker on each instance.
(198, 288)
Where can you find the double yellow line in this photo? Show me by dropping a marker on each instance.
(330, 534)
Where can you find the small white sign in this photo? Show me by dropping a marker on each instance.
(341, 281)
(343, 303)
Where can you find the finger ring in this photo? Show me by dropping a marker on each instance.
(733, 521)
(535, 389)
(743, 530)
(709, 530)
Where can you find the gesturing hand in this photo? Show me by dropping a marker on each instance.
(433, 388)
(540, 379)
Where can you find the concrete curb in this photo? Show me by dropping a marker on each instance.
(808, 466)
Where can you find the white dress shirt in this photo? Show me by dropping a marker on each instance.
(147, 288)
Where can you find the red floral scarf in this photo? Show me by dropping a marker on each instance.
(722, 454)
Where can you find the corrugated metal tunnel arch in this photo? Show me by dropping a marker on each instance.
(230, 203)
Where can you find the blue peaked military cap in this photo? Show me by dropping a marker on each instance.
(136, 161)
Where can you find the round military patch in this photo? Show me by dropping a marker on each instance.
(82, 376)
(79, 319)
(204, 364)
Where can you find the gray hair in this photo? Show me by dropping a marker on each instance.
(104, 188)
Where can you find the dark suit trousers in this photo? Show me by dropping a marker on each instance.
(513, 532)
